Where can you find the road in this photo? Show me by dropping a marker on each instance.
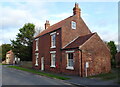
(12, 76)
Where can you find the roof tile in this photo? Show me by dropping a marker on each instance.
(79, 41)
(53, 27)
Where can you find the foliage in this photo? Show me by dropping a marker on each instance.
(39, 73)
(0, 53)
(22, 46)
(113, 51)
(5, 48)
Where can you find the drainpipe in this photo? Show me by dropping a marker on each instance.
(81, 62)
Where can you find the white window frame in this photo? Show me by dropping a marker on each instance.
(36, 44)
(53, 41)
(68, 66)
(52, 51)
(36, 59)
(53, 60)
(73, 24)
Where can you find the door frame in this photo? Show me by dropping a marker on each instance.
(42, 63)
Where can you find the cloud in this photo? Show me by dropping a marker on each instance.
(15, 14)
(106, 33)
(9, 35)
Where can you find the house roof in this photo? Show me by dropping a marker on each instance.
(53, 27)
(79, 41)
(9, 52)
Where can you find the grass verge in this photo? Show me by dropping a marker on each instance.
(3, 64)
(114, 74)
(39, 73)
(105, 76)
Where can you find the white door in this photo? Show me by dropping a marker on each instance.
(42, 63)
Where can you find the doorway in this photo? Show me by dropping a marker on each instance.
(42, 63)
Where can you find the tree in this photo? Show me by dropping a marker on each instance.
(0, 53)
(37, 31)
(113, 51)
(5, 48)
(22, 46)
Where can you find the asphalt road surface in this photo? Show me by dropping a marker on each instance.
(12, 76)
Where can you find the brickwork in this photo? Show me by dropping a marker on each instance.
(97, 54)
(69, 34)
(45, 49)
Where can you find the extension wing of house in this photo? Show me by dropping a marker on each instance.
(69, 47)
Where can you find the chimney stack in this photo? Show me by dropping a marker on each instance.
(47, 24)
(76, 10)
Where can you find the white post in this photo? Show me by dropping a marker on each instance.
(86, 71)
(87, 65)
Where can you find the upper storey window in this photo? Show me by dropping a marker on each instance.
(73, 25)
(36, 44)
(53, 40)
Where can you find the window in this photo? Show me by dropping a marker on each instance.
(53, 40)
(36, 62)
(36, 44)
(52, 59)
(70, 61)
(73, 25)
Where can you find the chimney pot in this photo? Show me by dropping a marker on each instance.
(76, 10)
(47, 24)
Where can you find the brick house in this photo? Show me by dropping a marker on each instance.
(69, 47)
(9, 57)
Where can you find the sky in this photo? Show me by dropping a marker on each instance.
(100, 17)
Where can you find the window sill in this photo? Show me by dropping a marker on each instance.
(71, 68)
(53, 47)
(36, 50)
(52, 66)
(36, 64)
(73, 28)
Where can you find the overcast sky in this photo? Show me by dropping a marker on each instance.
(100, 17)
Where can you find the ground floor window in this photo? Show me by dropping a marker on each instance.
(52, 59)
(36, 57)
(70, 61)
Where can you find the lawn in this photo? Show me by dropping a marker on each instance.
(3, 64)
(39, 73)
(114, 74)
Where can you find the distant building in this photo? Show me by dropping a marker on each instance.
(10, 57)
(69, 47)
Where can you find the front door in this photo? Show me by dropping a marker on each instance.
(42, 63)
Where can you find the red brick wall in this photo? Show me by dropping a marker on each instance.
(68, 34)
(98, 55)
(33, 58)
(44, 51)
(76, 63)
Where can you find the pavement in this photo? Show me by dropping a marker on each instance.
(88, 82)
